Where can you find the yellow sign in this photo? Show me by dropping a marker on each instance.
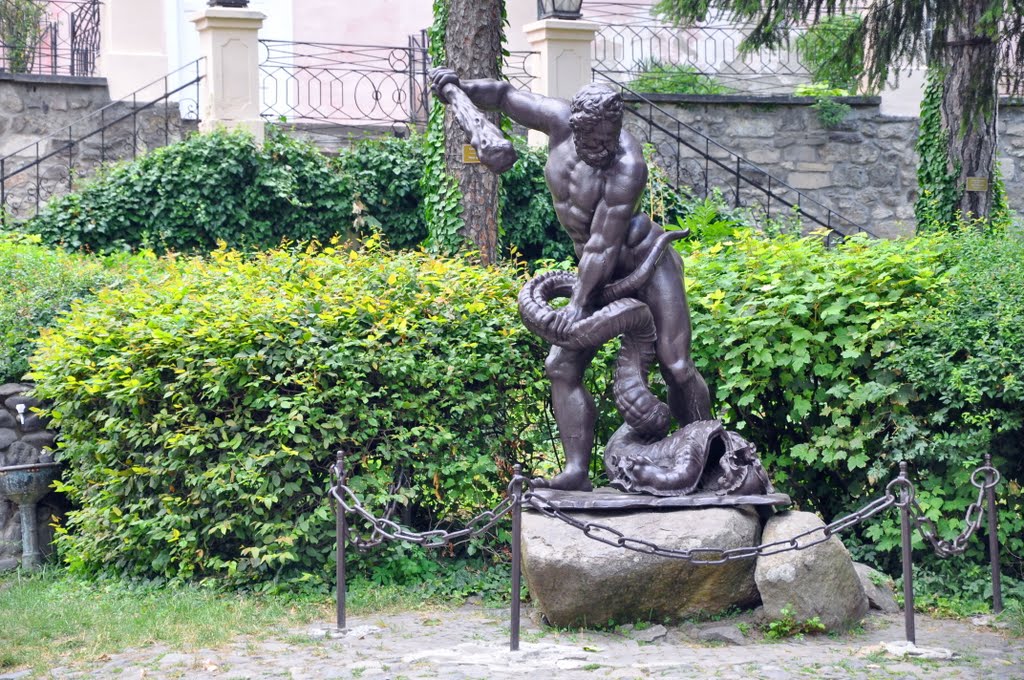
(469, 154)
(977, 184)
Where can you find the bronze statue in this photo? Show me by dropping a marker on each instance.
(629, 283)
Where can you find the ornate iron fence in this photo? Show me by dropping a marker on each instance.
(49, 37)
(898, 493)
(155, 115)
(356, 85)
(632, 41)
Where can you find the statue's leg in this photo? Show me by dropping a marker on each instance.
(688, 396)
(575, 415)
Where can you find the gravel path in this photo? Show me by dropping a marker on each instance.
(472, 642)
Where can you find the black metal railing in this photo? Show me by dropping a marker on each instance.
(712, 52)
(155, 115)
(632, 42)
(356, 85)
(49, 37)
(697, 164)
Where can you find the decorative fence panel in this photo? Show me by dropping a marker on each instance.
(55, 38)
(367, 86)
(632, 41)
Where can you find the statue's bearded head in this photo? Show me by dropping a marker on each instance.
(596, 121)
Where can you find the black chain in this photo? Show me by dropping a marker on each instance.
(384, 529)
(898, 493)
(975, 511)
(614, 537)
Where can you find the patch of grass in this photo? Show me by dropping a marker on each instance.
(1013, 614)
(53, 620)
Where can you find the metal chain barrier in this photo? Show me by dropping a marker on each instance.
(899, 493)
(613, 537)
(975, 511)
(385, 529)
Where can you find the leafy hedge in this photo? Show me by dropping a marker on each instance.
(839, 364)
(221, 188)
(39, 283)
(200, 409)
(210, 188)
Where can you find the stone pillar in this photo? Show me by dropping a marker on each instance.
(133, 51)
(564, 65)
(229, 95)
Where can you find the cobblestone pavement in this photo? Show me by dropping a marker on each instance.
(472, 642)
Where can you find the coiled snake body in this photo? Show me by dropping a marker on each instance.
(640, 457)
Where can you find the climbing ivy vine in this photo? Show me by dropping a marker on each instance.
(938, 195)
(442, 200)
(937, 205)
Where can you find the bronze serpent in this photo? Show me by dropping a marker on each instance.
(640, 458)
(616, 316)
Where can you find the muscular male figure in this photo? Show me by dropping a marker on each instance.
(596, 174)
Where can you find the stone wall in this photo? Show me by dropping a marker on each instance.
(24, 439)
(32, 107)
(865, 169)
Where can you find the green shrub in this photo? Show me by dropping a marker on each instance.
(838, 364)
(380, 179)
(217, 187)
(528, 221)
(658, 78)
(199, 413)
(21, 31)
(39, 284)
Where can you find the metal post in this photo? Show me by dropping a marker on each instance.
(167, 113)
(908, 567)
(342, 533)
(517, 533)
(71, 160)
(38, 179)
(707, 157)
(737, 181)
(135, 125)
(993, 537)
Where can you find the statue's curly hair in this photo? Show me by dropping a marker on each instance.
(593, 103)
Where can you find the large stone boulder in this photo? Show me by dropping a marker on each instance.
(818, 581)
(578, 581)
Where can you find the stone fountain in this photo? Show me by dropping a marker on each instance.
(26, 462)
(26, 485)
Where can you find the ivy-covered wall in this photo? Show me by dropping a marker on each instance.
(865, 168)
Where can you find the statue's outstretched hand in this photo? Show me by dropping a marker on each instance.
(439, 77)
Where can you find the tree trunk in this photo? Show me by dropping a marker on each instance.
(969, 109)
(473, 46)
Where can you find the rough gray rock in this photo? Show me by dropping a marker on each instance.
(818, 581)
(9, 389)
(878, 587)
(577, 581)
(729, 635)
